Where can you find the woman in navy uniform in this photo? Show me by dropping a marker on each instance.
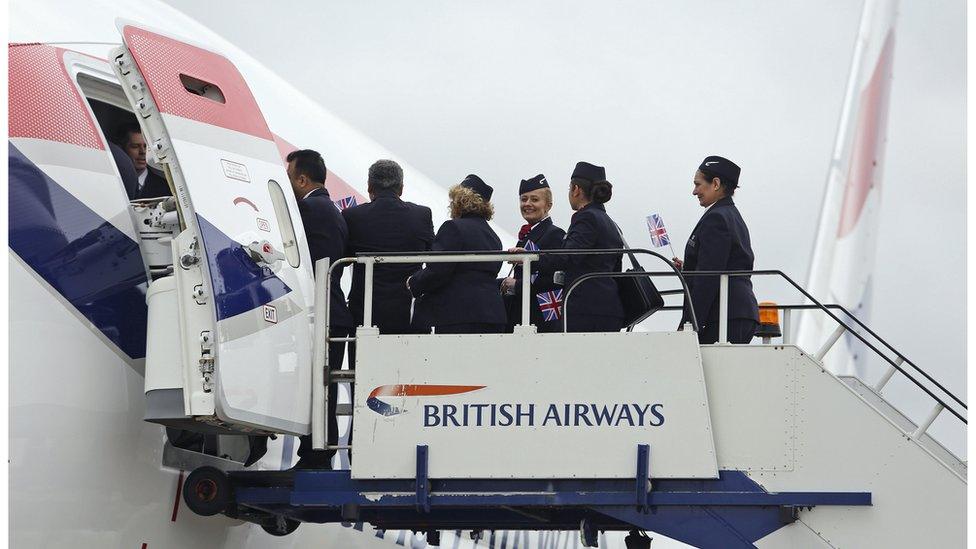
(595, 305)
(538, 232)
(720, 242)
(461, 298)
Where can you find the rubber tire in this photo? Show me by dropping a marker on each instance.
(290, 526)
(207, 491)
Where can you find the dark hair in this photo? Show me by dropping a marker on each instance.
(308, 163)
(597, 191)
(123, 131)
(385, 175)
(728, 187)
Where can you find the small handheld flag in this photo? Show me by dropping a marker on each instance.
(659, 233)
(347, 202)
(551, 305)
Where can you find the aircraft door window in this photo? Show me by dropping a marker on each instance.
(284, 223)
(202, 89)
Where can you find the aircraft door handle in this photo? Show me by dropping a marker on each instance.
(263, 253)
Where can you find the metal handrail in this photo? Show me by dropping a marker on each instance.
(775, 272)
(816, 304)
(321, 374)
(323, 278)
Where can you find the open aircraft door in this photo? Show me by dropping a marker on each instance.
(243, 283)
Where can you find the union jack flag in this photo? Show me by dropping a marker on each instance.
(347, 202)
(659, 235)
(551, 305)
(532, 247)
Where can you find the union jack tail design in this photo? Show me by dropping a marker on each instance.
(659, 234)
(551, 305)
(347, 202)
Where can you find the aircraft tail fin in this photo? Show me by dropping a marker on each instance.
(842, 262)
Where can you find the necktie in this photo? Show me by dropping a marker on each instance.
(524, 231)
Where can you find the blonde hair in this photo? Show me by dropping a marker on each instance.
(465, 201)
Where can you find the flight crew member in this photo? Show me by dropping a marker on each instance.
(719, 242)
(535, 199)
(595, 304)
(461, 298)
(386, 224)
(151, 182)
(326, 232)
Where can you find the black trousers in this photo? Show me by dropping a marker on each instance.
(741, 330)
(593, 323)
(323, 459)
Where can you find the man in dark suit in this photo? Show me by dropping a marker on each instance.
(151, 182)
(387, 224)
(535, 201)
(127, 170)
(326, 232)
(720, 242)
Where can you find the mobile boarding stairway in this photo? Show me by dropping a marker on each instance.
(713, 445)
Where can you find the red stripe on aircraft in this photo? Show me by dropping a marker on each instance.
(869, 137)
(162, 60)
(337, 187)
(43, 101)
(179, 492)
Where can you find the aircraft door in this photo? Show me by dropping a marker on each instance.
(244, 285)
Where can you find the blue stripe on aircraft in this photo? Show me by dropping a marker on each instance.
(96, 267)
(240, 284)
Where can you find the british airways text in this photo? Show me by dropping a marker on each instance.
(554, 415)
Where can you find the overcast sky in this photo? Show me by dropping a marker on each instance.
(508, 90)
(647, 89)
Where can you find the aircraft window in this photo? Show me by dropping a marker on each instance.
(284, 223)
(203, 89)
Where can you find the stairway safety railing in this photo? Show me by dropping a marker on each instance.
(322, 376)
(895, 365)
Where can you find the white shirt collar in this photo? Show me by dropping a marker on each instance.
(309, 192)
(142, 178)
(537, 222)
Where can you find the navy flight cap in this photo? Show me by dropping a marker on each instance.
(533, 184)
(589, 172)
(475, 183)
(723, 168)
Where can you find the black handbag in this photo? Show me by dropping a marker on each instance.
(639, 296)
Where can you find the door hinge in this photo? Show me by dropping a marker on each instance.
(206, 360)
(199, 294)
(124, 61)
(192, 257)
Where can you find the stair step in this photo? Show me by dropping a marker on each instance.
(905, 424)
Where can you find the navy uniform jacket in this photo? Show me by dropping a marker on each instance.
(546, 236)
(155, 185)
(720, 242)
(127, 171)
(590, 228)
(326, 233)
(459, 293)
(387, 224)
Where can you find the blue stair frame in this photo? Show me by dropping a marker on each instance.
(731, 511)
